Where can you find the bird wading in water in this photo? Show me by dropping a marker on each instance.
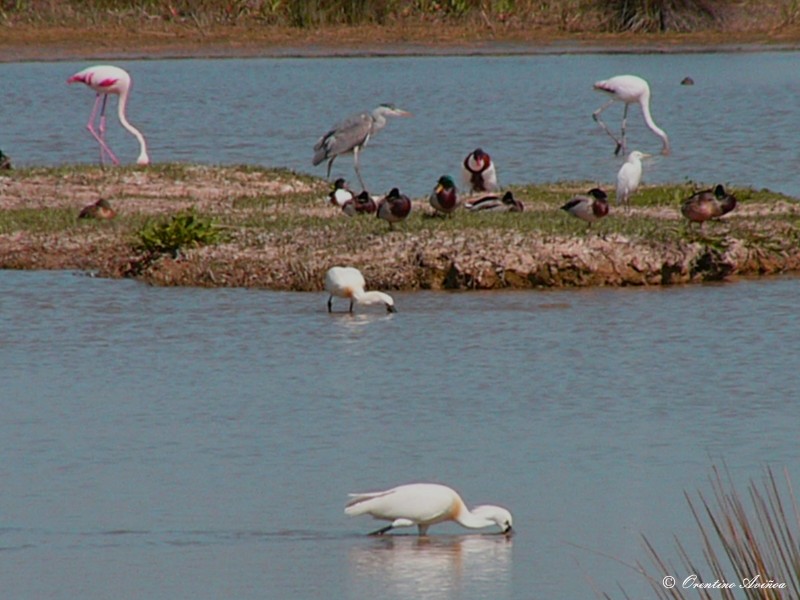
(105, 80)
(423, 505)
(629, 89)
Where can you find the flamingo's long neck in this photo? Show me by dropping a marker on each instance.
(648, 119)
(143, 159)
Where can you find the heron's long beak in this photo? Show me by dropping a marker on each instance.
(403, 113)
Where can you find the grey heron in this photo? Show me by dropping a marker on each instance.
(352, 134)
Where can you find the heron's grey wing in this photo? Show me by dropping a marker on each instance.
(343, 137)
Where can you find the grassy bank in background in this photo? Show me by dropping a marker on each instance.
(254, 227)
(42, 29)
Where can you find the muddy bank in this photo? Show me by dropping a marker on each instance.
(279, 232)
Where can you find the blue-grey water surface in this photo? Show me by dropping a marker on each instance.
(736, 125)
(192, 443)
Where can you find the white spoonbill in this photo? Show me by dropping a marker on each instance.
(423, 505)
(629, 89)
(629, 177)
(348, 282)
(105, 80)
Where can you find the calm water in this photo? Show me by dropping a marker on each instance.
(737, 125)
(190, 443)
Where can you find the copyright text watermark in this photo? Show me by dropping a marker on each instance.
(693, 582)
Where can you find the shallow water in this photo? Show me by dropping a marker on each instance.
(531, 113)
(191, 443)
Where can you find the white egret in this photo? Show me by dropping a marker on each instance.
(590, 207)
(423, 505)
(629, 177)
(348, 282)
(629, 89)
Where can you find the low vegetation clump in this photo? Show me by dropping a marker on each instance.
(180, 232)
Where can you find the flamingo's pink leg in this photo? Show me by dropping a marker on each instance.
(100, 137)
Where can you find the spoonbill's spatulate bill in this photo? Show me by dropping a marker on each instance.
(423, 505)
(105, 80)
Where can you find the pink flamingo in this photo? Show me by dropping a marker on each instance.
(105, 80)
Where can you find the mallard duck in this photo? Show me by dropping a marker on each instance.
(348, 282)
(444, 198)
(361, 204)
(394, 207)
(590, 207)
(506, 203)
(478, 172)
(99, 210)
(708, 204)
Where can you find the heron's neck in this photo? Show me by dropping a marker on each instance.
(123, 101)
(378, 120)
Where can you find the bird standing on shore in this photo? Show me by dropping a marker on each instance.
(352, 135)
(590, 207)
(629, 177)
(444, 198)
(629, 89)
(423, 505)
(348, 282)
(394, 207)
(105, 80)
(478, 172)
(708, 204)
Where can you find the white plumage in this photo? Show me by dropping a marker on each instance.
(629, 89)
(348, 282)
(423, 505)
(629, 177)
